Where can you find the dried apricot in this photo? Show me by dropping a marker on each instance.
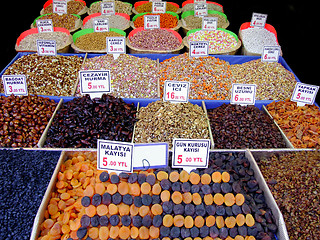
(113, 209)
(205, 178)
(156, 209)
(225, 177)
(218, 199)
(239, 237)
(124, 209)
(230, 222)
(156, 189)
(165, 196)
(162, 175)
(196, 198)
(187, 197)
(240, 199)
(208, 199)
(91, 210)
(145, 188)
(184, 176)
(178, 220)
(216, 177)
(102, 210)
(124, 232)
(194, 178)
(250, 238)
(143, 232)
(144, 210)
(134, 189)
(167, 220)
(52, 209)
(219, 222)
(134, 233)
(123, 188)
(174, 176)
(111, 188)
(154, 232)
(229, 199)
(93, 232)
(210, 221)
(114, 232)
(188, 222)
(240, 219)
(249, 220)
(199, 221)
(134, 210)
(176, 197)
(48, 223)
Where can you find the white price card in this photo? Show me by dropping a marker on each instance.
(209, 23)
(15, 84)
(116, 45)
(270, 54)
(107, 8)
(150, 155)
(200, 10)
(59, 7)
(95, 82)
(159, 7)
(190, 153)
(44, 25)
(176, 91)
(304, 93)
(115, 156)
(101, 25)
(243, 94)
(151, 21)
(258, 20)
(198, 48)
(46, 47)
(199, 1)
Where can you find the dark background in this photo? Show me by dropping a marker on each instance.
(296, 23)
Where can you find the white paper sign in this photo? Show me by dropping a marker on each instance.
(200, 10)
(107, 8)
(176, 91)
(116, 45)
(151, 21)
(304, 93)
(209, 23)
(159, 7)
(46, 47)
(15, 84)
(198, 48)
(270, 54)
(243, 94)
(190, 153)
(258, 20)
(44, 25)
(95, 82)
(101, 25)
(59, 7)
(115, 156)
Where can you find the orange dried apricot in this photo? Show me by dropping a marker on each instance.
(134, 233)
(154, 232)
(143, 232)
(194, 178)
(65, 229)
(239, 237)
(124, 209)
(225, 177)
(165, 196)
(145, 188)
(188, 222)
(167, 220)
(93, 232)
(114, 232)
(196, 198)
(91, 210)
(210, 221)
(89, 191)
(134, 210)
(249, 220)
(230, 222)
(199, 221)
(178, 220)
(218, 199)
(156, 209)
(250, 238)
(162, 175)
(205, 178)
(184, 176)
(176, 197)
(103, 233)
(65, 196)
(102, 210)
(174, 176)
(219, 222)
(124, 232)
(239, 199)
(134, 189)
(123, 188)
(52, 209)
(112, 188)
(240, 219)
(144, 210)
(216, 177)
(187, 197)
(229, 199)
(48, 223)
(113, 209)
(156, 189)
(208, 199)
(56, 229)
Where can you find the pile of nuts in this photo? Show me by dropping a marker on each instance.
(163, 121)
(23, 119)
(67, 21)
(82, 121)
(72, 7)
(47, 75)
(235, 126)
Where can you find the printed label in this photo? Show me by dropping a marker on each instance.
(258, 20)
(151, 21)
(116, 45)
(159, 7)
(95, 81)
(304, 93)
(44, 25)
(101, 25)
(15, 84)
(243, 94)
(270, 54)
(176, 91)
(198, 48)
(46, 47)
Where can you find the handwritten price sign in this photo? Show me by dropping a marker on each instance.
(15, 84)
(60, 7)
(200, 9)
(101, 25)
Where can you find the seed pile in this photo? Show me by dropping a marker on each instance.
(115, 21)
(147, 7)
(300, 124)
(82, 121)
(23, 119)
(163, 121)
(23, 181)
(167, 20)
(274, 82)
(72, 7)
(47, 75)
(210, 77)
(120, 7)
(132, 77)
(155, 39)
(293, 179)
(235, 126)
(67, 21)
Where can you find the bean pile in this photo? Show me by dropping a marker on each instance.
(67, 21)
(132, 77)
(47, 75)
(72, 7)
(23, 119)
(167, 20)
(155, 39)
(300, 124)
(210, 77)
(220, 201)
(274, 82)
(115, 21)
(163, 121)
(24, 176)
(147, 7)
(193, 22)
(95, 40)
(82, 121)
(235, 126)
(29, 43)
(218, 40)
(120, 7)
(293, 179)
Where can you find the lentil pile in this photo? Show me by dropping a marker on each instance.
(167, 20)
(274, 82)
(158, 204)
(82, 121)
(300, 124)
(210, 77)
(218, 40)
(115, 21)
(193, 22)
(94, 40)
(147, 7)
(132, 77)
(23, 119)
(47, 75)
(72, 7)
(67, 21)
(163, 121)
(235, 126)
(293, 179)
(120, 7)
(155, 39)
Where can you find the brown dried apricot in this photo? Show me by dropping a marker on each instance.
(176, 197)
(218, 199)
(194, 178)
(167, 220)
(216, 177)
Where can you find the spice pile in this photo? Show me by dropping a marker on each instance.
(167, 20)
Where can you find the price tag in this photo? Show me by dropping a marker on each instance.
(101, 25)
(46, 47)
(190, 153)
(176, 91)
(270, 54)
(198, 48)
(200, 10)
(150, 155)
(209, 23)
(304, 94)
(95, 82)
(15, 84)
(60, 7)
(115, 156)
(159, 7)
(107, 8)
(151, 21)
(44, 25)
(116, 45)
(258, 20)
(244, 94)
(199, 1)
